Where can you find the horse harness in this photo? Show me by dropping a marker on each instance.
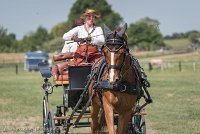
(121, 86)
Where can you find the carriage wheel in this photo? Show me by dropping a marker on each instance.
(65, 101)
(45, 109)
(137, 124)
(49, 127)
(57, 130)
(47, 118)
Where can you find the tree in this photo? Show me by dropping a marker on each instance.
(108, 16)
(7, 41)
(194, 37)
(59, 29)
(145, 34)
(54, 45)
(35, 40)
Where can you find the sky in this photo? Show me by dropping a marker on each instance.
(22, 17)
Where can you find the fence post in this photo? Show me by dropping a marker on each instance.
(179, 66)
(16, 69)
(150, 67)
(194, 66)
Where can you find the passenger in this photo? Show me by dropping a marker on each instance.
(70, 46)
(89, 38)
(67, 52)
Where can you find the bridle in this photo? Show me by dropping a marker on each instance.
(114, 44)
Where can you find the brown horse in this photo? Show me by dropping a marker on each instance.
(115, 90)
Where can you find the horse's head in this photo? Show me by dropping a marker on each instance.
(114, 51)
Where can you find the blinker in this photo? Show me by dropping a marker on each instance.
(114, 45)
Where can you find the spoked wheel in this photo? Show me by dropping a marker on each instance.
(45, 109)
(57, 130)
(48, 125)
(137, 124)
(65, 101)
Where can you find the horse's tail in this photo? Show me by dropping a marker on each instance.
(101, 120)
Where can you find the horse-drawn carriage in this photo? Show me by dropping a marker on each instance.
(108, 91)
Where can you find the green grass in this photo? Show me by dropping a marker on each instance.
(175, 108)
(177, 43)
(20, 95)
(21, 98)
(176, 102)
(174, 46)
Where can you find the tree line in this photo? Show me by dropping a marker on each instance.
(143, 34)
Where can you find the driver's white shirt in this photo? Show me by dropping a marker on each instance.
(69, 46)
(96, 34)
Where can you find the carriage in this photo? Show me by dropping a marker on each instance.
(75, 110)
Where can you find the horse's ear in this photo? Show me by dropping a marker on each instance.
(106, 30)
(122, 31)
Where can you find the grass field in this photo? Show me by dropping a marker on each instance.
(175, 110)
(177, 43)
(176, 102)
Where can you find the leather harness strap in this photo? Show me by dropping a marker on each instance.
(122, 87)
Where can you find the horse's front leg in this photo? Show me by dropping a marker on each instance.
(123, 121)
(125, 113)
(95, 107)
(94, 116)
(109, 115)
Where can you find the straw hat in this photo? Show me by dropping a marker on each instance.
(90, 12)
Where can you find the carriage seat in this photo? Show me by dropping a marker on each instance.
(60, 71)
